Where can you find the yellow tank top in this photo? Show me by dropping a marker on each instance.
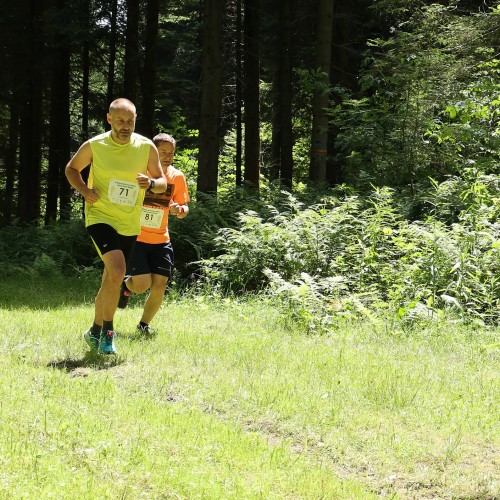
(113, 175)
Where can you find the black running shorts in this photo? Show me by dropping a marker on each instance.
(106, 238)
(152, 258)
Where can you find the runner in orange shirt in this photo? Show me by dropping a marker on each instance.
(153, 258)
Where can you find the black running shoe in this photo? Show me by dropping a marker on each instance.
(125, 294)
(146, 330)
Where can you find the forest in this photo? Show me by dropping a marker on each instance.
(332, 148)
(331, 328)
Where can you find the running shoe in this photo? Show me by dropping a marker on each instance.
(125, 294)
(91, 340)
(107, 343)
(145, 330)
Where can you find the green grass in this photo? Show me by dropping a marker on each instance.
(225, 402)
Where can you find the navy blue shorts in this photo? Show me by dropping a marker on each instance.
(152, 258)
(106, 238)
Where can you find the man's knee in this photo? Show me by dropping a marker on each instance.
(158, 285)
(115, 266)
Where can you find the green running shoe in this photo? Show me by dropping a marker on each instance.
(91, 340)
(107, 343)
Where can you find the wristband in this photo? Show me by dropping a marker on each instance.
(151, 184)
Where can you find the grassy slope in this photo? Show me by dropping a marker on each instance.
(226, 403)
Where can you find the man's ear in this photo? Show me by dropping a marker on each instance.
(108, 118)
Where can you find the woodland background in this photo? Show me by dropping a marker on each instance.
(332, 148)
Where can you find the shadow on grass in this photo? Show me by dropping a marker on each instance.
(91, 361)
(141, 337)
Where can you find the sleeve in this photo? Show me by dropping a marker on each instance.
(181, 194)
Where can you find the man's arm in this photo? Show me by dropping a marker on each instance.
(179, 205)
(81, 159)
(156, 172)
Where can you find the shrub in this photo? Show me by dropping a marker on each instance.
(362, 254)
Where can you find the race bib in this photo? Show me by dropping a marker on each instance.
(122, 192)
(151, 217)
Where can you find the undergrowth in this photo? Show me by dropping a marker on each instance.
(318, 254)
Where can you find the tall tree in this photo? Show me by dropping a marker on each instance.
(282, 139)
(86, 17)
(320, 100)
(131, 72)
(351, 22)
(31, 116)
(12, 57)
(59, 125)
(113, 40)
(211, 96)
(11, 158)
(251, 93)
(238, 96)
(85, 89)
(147, 121)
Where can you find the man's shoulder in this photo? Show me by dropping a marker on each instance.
(141, 140)
(174, 173)
(98, 138)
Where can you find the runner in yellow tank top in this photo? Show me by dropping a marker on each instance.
(122, 166)
(113, 174)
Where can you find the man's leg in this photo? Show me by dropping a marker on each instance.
(114, 250)
(139, 283)
(107, 298)
(112, 278)
(140, 274)
(155, 298)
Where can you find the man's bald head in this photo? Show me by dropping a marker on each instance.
(123, 105)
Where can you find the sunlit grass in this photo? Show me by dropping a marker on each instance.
(224, 402)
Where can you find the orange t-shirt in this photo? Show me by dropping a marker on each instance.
(155, 210)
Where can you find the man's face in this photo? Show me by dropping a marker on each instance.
(122, 123)
(166, 151)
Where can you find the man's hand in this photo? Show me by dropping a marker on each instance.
(91, 196)
(143, 180)
(180, 210)
(175, 208)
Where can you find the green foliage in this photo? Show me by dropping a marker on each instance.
(350, 255)
(430, 101)
(57, 248)
(321, 255)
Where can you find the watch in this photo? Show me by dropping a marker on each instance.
(151, 184)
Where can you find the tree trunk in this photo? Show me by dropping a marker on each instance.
(149, 87)
(285, 97)
(251, 93)
(86, 70)
(31, 118)
(113, 36)
(131, 74)
(320, 100)
(85, 89)
(12, 58)
(59, 127)
(11, 156)
(239, 100)
(211, 97)
(275, 158)
(348, 43)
